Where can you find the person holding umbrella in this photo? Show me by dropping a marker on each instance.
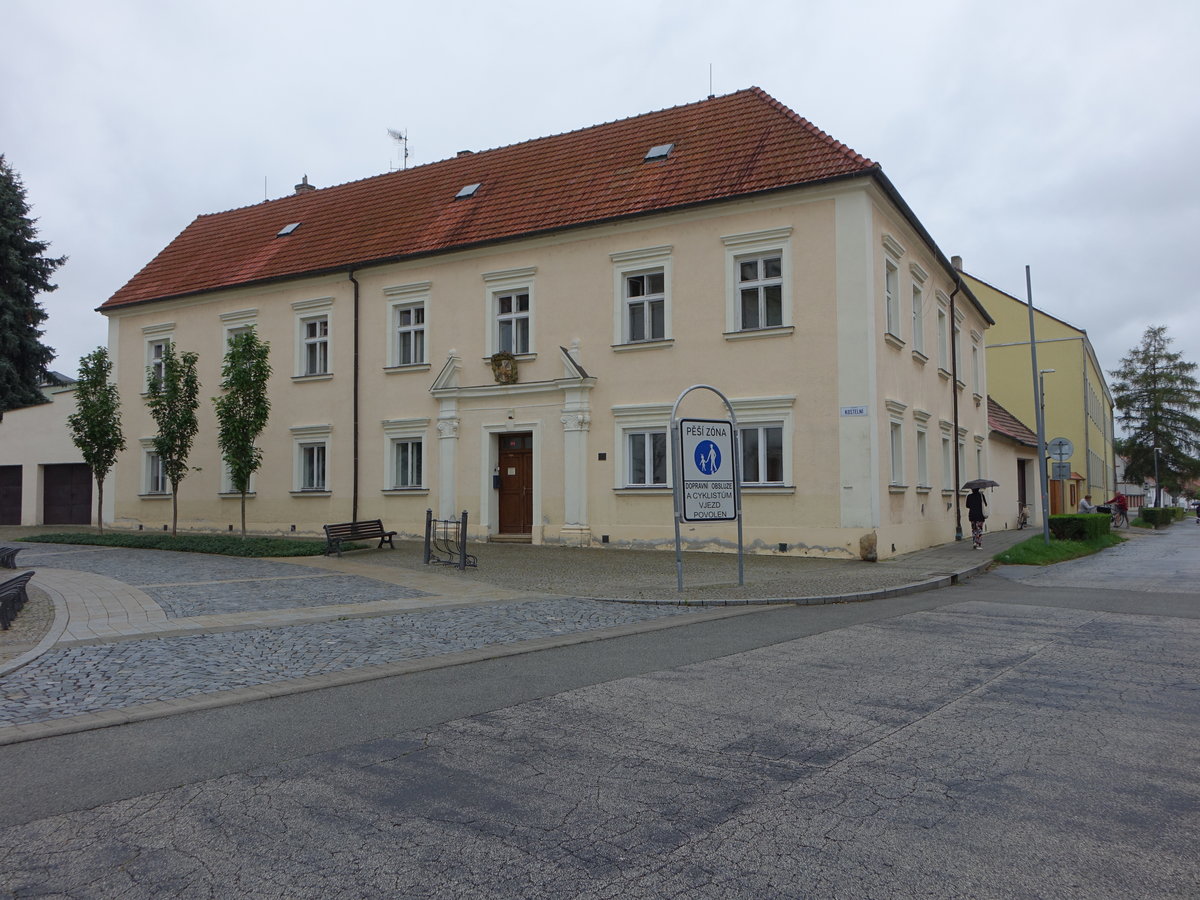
(977, 509)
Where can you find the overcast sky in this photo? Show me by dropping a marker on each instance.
(1060, 134)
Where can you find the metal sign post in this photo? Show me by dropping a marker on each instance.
(1061, 449)
(705, 466)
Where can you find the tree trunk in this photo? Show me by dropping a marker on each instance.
(243, 515)
(174, 507)
(100, 504)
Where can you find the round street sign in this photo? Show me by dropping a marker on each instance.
(1061, 449)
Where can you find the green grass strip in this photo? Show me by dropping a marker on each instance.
(1036, 552)
(220, 544)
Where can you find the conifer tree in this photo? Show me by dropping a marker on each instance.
(1158, 397)
(25, 271)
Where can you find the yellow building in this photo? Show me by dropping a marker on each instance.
(505, 332)
(1078, 403)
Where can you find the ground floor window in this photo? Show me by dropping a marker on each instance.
(762, 454)
(312, 466)
(407, 463)
(156, 475)
(647, 458)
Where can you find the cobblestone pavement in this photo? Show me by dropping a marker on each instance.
(112, 675)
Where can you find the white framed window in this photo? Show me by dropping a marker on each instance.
(922, 458)
(760, 291)
(512, 322)
(510, 304)
(962, 459)
(237, 322)
(408, 320)
(157, 338)
(891, 296)
(311, 459)
(408, 306)
(156, 475)
(957, 357)
(896, 430)
(947, 464)
(976, 367)
(943, 332)
(404, 454)
(762, 454)
(642, 286)
(227, 480)
(758, 281)
(919, 277)
(646, 458)
(314, 333)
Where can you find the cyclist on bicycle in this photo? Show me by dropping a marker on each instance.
(1121, 512)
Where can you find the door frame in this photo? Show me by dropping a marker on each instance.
(489, 498)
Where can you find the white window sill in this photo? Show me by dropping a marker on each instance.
(919, 357)
(157, 495)
(234, 495)
(943, 373)
(519, 357)
(947, 492)
(316, 376)
(404, 492)
(634, 490)
(897, 488)
(978, 398)
(768, 489)
(311, 493)
(411, 367)
(644, 345)
(893, 340)
(751, 334)
(923, 489)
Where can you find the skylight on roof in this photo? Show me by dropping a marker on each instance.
(288, 229)
(658, 151)
(468, 191)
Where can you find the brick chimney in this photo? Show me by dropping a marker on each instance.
(304, 187)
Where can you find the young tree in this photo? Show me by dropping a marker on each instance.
(243, 410)
(1158, 395)
(24, 273)
(173, 399)
(96, 423)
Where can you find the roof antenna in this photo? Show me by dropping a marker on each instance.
(710, 90)
(401, 138)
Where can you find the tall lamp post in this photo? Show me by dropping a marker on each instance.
(1043, 471)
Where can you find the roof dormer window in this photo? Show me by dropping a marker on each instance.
(288, 229)
(658, 151)
(468, 191)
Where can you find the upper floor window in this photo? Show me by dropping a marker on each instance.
(155, 350)
(919, 277)
(314, 327)
(645, 306)
(891, 296)
(758, 280)
(943, 337)
(410, 333)
(512, 322)
(760, 291)
(316, 345)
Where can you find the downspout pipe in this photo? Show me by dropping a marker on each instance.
(354, 427)
(958, 532)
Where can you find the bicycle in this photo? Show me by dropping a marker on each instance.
(1119, 515)
(1022, 515)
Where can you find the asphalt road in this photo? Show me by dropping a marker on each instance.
(999, 739)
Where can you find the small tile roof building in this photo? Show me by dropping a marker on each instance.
(505, 332)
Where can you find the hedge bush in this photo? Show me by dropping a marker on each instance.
(1158, 516)
(1080, 526)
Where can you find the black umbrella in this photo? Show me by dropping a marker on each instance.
(979, 483)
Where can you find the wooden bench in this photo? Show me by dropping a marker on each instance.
(13, 597)
(335, 535)
(8, 556)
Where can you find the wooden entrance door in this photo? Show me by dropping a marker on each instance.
(516, 484)
(67, 495)
(10, 495)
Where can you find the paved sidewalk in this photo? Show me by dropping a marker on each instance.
(140, 634)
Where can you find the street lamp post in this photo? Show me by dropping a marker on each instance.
(1157, 486)
(1044, 471)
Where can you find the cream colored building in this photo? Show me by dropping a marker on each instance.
(726, 242)
(43, 478)
(1079, 405)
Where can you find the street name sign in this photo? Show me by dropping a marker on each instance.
(709, 467)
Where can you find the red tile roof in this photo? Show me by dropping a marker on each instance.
(1003, 422)
(724, 147)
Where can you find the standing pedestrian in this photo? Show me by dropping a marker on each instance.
(977, 514)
